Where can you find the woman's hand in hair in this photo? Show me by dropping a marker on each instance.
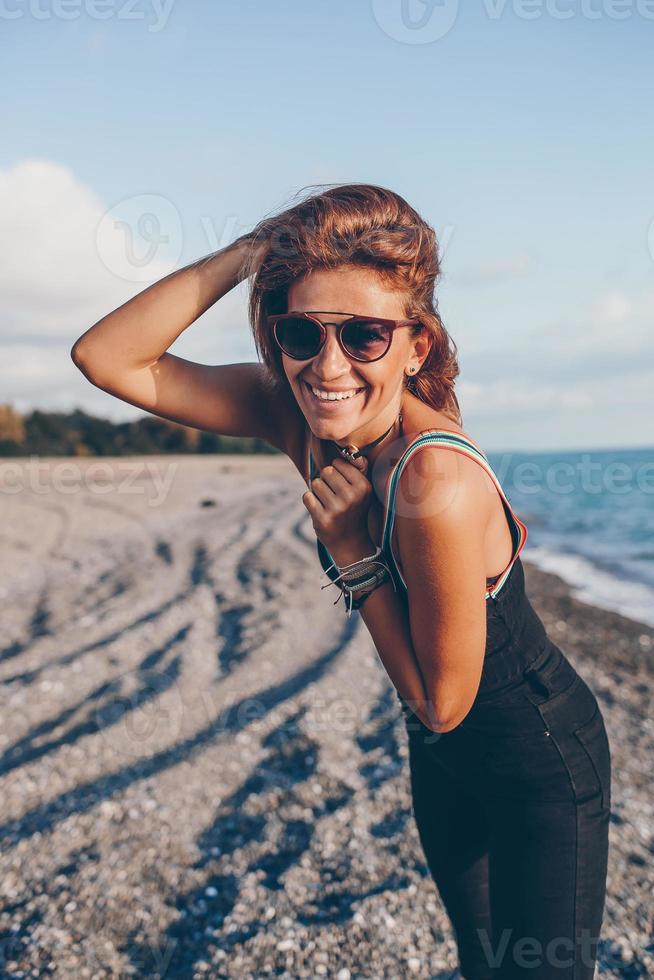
(338, 502)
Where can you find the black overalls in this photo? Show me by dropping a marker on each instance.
(512, 806)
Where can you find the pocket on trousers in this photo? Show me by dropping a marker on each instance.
(593, 775)
(527, 767)
(552, 678)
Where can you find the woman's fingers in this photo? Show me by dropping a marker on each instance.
(342, 476)
(351, 471)
(339, 482)
(335, 490)
(311, 502)
(333, 477)
(326, 495)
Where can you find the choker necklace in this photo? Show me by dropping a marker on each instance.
(350, 452)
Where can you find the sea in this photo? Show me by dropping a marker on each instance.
(590, 519)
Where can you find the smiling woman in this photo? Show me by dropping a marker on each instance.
(509, 760)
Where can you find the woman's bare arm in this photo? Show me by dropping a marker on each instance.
(442, 536)
(433, 647)
(126, 354)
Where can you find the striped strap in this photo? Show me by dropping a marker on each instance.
(461, 444)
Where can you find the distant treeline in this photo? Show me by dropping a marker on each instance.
(78, 434)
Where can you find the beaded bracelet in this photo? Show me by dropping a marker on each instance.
(360, 575)
(382, 576)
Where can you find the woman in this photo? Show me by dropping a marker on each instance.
(509, 759)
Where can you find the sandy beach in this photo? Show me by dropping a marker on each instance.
(203, 763)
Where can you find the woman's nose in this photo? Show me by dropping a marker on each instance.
(331, 362)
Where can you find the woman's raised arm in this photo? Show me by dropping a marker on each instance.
(126, 354)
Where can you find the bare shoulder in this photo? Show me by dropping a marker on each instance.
(440, 478)
(447, 495)
(417, 417)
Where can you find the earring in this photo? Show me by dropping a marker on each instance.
(411, 370)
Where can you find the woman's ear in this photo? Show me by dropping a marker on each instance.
(422, 344)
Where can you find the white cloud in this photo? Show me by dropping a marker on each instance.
(614, 307)
(587, 414)
(28, 365)
(614, 324)
(58, 276)
(33, 376)
(53, 283)
(506, 395)
(496, 270)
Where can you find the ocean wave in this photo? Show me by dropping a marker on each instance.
(595, 585)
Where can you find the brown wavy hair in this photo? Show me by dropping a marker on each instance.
(360, 225)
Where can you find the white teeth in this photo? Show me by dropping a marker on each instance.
(334, 396)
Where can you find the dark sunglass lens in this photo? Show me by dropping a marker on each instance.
(366, 339)
(299, 338)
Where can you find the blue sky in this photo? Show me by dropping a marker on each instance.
(522, 131)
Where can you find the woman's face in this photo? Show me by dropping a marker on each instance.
(379, 384)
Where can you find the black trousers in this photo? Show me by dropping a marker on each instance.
(512, 809)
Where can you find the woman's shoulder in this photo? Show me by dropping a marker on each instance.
(418, 419)
(442, 474)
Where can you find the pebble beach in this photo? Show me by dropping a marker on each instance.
(203, 764)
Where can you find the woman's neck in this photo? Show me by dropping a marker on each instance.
(392, 430)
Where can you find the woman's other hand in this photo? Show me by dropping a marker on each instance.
(338, 502)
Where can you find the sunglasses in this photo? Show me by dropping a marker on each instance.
(363, 338)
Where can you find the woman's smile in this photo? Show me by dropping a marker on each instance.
(330, 398)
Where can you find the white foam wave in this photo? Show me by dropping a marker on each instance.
(594, 585)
